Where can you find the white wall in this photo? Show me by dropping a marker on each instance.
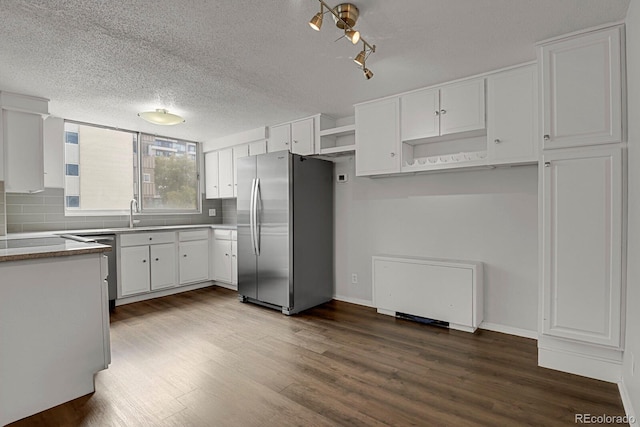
(487, 215)
(632, 344)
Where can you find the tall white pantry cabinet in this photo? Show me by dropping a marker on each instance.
(582, 199)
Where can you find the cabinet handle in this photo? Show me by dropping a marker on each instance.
(295, 142)
(157, 259)
(233, 256)
(393, 154)
(547, 164)
(215, 186)
(443, 111)
(437, 113)
(497, 141)
(144, 260)
(226, 254)
(185, 255)
(150, 238)
(546, 137)
(286, 143)
(228, 185)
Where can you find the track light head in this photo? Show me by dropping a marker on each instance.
(367, 73)
(353, 35)
(360, 58)
(316, 21)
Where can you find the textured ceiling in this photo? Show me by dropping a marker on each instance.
(232, 65)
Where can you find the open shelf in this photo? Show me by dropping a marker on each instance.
(339, 131)
(339, 150)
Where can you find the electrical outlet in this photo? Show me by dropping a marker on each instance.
(354, 278)
(212, 212)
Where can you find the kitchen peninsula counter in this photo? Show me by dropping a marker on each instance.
(17, 249)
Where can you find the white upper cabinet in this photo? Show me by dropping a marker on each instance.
(211, 175)
(442, 111)
(378, 137)
(512, 116)
(462, 107)
(239, 151)
(582, 89)
(21, 138)
(225, 173)
(279, 138)
(582, 223)
(420, 114)
(297, 137)
(257, 147)
(302, 137)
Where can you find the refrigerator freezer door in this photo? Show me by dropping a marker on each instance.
(273, 207)
(247, 262)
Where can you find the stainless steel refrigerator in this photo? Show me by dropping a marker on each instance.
(285, 231)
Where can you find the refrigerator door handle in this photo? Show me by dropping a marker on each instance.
(256, 215)
(252, 219)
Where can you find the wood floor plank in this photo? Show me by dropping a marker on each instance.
(202, 358)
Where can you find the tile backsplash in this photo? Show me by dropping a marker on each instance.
(3, 222)
(45, 212)
(229, 215)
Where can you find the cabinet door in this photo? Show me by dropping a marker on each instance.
(194, 261)
(163, 265)
(512, 116)
(225, 172)
(24, 151)
(257, 147)
(582, 245)
(420, 114)
(211, 175)
(238, 152)
(279, 138)
(302, 136)
(462, 107)
(134, 270)
(378, 137)
(234, 262)
(222, 260)
(581, 86)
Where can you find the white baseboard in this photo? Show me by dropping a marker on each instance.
(356, 301)
(628, 404)
(162, 293)
(509, 330)
(580, 364)
(226, 285)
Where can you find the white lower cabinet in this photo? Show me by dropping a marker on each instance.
(194, 260)
(163, 266)
(135, 275)
(224, 257)
(582, 261)
(147, 262)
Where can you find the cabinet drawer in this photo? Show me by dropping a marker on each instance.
(136, 239)
(186, 236)
(222, 234)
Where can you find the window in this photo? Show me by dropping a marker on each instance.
(71, 169)
(173, 176)
(105, 168)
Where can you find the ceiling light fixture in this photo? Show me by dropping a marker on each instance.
(161, 117)
(345, 16)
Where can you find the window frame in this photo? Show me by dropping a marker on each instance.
(136, 183)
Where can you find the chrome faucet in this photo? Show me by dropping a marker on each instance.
(133, 204)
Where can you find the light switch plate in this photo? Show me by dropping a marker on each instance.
(212, 212)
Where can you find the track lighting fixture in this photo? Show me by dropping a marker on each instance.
(316, 21)
(345, 16)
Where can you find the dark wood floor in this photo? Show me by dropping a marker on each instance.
(204, 359)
